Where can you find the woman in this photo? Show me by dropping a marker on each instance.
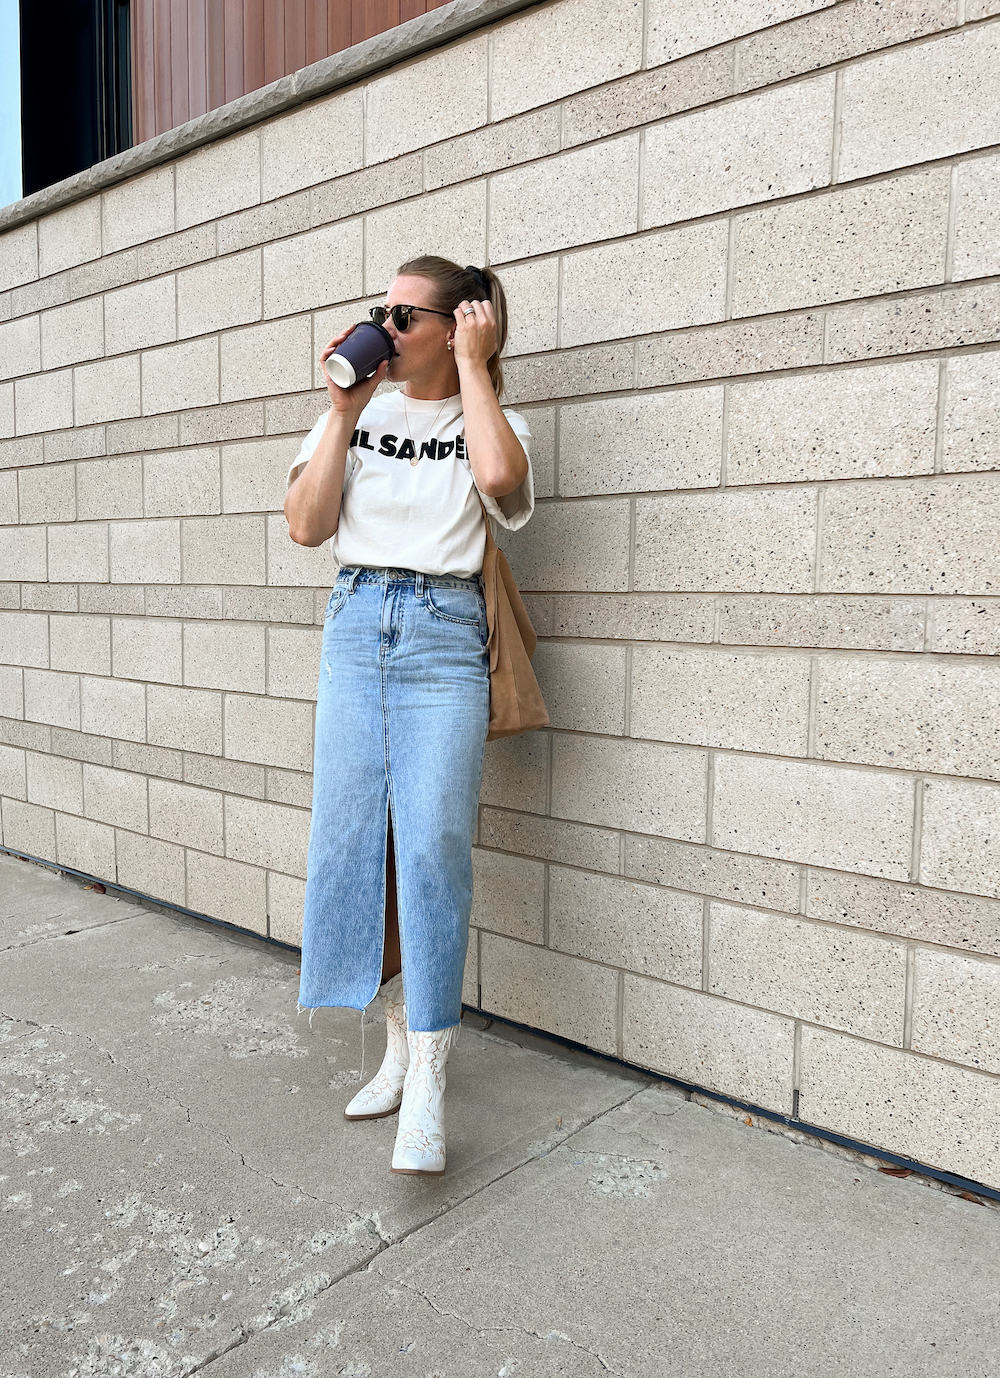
(402, 708)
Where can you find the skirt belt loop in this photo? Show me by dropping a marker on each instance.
(419, 584)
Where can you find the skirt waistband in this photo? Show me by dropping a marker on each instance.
(377, 574)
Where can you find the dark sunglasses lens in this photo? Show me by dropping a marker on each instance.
(400, 316)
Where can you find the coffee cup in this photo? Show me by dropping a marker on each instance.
(360, 354)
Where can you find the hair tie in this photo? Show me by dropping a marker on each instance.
(480, 277)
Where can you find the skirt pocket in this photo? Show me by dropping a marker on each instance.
(464, 606)
(338, 597)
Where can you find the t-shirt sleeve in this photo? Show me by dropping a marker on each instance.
(306, 450)
(513, 509)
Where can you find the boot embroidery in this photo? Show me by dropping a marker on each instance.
(420, 1145)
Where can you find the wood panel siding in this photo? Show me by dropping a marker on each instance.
(191, 56)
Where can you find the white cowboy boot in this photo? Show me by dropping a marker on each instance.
(419, 1143)
(384, 1093)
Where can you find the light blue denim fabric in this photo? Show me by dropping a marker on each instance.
(402, 713)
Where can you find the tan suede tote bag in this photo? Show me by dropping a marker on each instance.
(516, 703)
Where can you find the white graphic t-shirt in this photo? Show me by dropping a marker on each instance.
(410, 500)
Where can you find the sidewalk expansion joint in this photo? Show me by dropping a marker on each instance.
(72, 932)
(370, 1223)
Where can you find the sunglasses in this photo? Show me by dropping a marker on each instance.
(401, 314)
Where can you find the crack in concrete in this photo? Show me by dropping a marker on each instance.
(365, 1265)
(665, 1114)
(281, 1313)
(352, 1215)
(70, 933)
(367, 1222)
(355, 1217)
(482, 1330)
(285, 1309)
(637, 1134)
(106, 1052)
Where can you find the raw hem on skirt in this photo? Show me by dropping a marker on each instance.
(313, 1008)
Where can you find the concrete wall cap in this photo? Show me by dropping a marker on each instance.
(363, 60)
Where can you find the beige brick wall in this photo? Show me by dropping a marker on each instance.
(751, 254)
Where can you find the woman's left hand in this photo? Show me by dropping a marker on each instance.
(475, 334)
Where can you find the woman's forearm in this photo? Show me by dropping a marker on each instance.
(496, 455)
(312, 502)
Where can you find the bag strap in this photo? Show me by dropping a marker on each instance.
(490, 555)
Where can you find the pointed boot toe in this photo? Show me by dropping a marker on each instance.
(383, 1095)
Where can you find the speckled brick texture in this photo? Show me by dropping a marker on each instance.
(751, 253)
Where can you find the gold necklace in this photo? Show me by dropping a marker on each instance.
(406, 416)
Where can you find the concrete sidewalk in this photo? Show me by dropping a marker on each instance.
(181, 1194)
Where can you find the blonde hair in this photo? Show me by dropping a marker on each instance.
(453, 284)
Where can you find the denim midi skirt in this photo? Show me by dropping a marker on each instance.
(402, 715)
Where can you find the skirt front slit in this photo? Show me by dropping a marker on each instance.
(402, 713)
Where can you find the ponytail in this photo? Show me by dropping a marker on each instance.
(455, 284)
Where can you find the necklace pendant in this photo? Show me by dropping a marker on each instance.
(414, 463)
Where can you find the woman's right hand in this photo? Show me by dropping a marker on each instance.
(350, 401)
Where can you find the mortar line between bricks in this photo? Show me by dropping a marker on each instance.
(811, 709)
(816, 921)
(929, 625)
(640, 179)
(919, 601)
(949, 239)
(942, 402)
(643, 44)
(796, 1062)
(727, 304)
(911, 961)
(761, 753)
(887, 43)
(838, 100)
(817, 588)
(866, 1038)
(919, 785)
(885, 175)
(487, 208)
(620, 1015)
(929, 291)
(490, 32)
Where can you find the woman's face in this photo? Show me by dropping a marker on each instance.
(422, 348)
